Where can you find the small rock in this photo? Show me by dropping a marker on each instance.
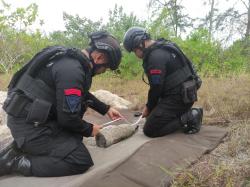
(3, 116)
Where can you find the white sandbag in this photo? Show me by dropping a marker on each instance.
(112, 99)
(114, 134)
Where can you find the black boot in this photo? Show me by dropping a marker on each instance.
(21, 165)
(7, 154)
(192, 120)
(13, 160)
(9, 147)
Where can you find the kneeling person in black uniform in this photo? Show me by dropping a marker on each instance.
(45, 105)
(173, 85)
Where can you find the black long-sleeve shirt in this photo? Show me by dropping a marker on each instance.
(158, 64)
(71, 95)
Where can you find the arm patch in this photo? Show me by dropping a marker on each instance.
(156, 79)
(73, 99)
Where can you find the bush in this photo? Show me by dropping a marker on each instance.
(130, 66)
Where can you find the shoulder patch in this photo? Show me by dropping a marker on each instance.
(73, 99)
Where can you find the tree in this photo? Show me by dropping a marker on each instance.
(78, 29)
(16, 44)
(21, 18)
(247, 17)
(170, 14)
(231, 20)
(241, 23)
(213, 19)
(59, 38)
(119, 22)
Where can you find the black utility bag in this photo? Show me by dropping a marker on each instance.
(186, 76)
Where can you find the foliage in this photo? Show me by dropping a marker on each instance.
(170, 14)
(210, 58)
(130, 66)
(77, 29)
(237, 57)
(119, 22)
(17, 46)
(204, 54)
(18, 43)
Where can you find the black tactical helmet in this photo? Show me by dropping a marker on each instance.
(103, 41)
(133, 37)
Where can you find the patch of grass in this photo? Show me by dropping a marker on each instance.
(225, 99)
(4, 80)
(246, 182)
(227, 166)
(208, 174)
(239, 140)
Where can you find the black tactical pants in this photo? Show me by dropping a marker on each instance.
(165, 117)
(52, 151)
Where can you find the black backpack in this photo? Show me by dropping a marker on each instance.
(43, 57)
(188, 65)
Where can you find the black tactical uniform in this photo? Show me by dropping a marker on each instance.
(55, 148)
(166, 104)
(173, 85)
(45, 105)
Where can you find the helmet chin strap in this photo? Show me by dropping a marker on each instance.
(142, 43)
(143, 48)
(93, 70)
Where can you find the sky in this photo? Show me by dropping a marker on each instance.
(51, 11)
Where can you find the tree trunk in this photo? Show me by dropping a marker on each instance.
(248, 21)
(211, 15)
(176, 18)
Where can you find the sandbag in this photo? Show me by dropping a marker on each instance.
(114, 134)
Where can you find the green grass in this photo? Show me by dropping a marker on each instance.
(4, 80)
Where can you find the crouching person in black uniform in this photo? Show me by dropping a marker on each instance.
(173, 85)
(45, 105)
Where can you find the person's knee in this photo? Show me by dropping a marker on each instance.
(159, 128)
(80, 159)
(60, 163)
(81, 168)
(82, 165)
(148, 131)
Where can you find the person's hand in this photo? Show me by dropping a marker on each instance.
(114, 114)
(145, 112)
(96, 129)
